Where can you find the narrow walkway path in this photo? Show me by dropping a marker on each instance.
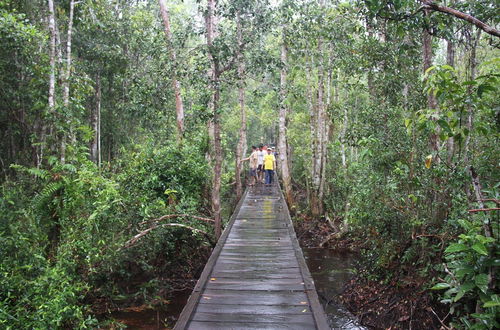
(256, 277)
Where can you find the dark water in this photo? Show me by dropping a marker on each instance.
(163, 317)
(331, 270)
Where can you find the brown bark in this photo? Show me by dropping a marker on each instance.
(216, 149)
(95, 121)
(431, 99)
(242, 143)
(179, 106)
(319, 138)
(450, 60)
(282, 138)
(472, 42)
(429, 4)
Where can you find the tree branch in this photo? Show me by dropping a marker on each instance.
(484, 210)
(170, 216)
(136, 238)
(466, 17)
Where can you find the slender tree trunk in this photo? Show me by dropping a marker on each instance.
(179, 106)
(450, 60)
(52, 80)
(282, 136)
(95, 120)
(52, 56)
(472, 41)
(342, 138)
(242, 143)
(67, 75)
(210, 23)
(312, 200)
(431, 99)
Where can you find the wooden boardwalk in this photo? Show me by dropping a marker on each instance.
(256, 277)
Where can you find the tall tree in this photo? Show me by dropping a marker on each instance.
(242, 143)
(67, 74)
(214, 124)
(282, 137)
(95, 121)
(179, 106)
(52, 79)
(319, 133)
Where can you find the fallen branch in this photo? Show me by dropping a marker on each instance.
(484, 210)
(497, 201)
(170, 216)
(136, 238)
(463, 16)
(329, 238)
(439, 319)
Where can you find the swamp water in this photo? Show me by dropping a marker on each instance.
(330, 270)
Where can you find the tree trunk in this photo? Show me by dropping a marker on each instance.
(450, 60)
(318, 139)
(210, 24)
(242, 143)
(472, 41)
(52, 80)
(431, 99)
(95, 120)
(282, 139)
(179, 106)
(67, 75)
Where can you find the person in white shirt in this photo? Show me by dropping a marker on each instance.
(260, 163)
(253, 165)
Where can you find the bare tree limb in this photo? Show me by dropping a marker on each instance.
(466, 17)
(170, 216)
(484, 210)
(136, 238)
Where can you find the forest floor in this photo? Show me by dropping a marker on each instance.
(399, 303)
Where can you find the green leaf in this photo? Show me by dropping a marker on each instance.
(456, 247)
(484, 88)
(491, 304)
(440, 286)
(480, 248)
(481, 281)
(464, 288)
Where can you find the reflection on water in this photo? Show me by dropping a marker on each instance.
(331, 270)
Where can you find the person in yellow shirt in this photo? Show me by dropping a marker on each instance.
(269, 166)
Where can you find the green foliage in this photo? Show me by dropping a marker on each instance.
(470, 263)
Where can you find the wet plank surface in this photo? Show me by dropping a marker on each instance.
(256, 277)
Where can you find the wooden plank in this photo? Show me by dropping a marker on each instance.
(303, 319)
(201, 325)
(257, 263)
(253, 309)
(295, 274)
(238, 286)
(298, 298)
(269, 268)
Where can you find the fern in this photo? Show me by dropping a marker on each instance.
(36, 172)
(48, 192)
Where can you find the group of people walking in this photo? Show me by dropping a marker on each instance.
(262, 164)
